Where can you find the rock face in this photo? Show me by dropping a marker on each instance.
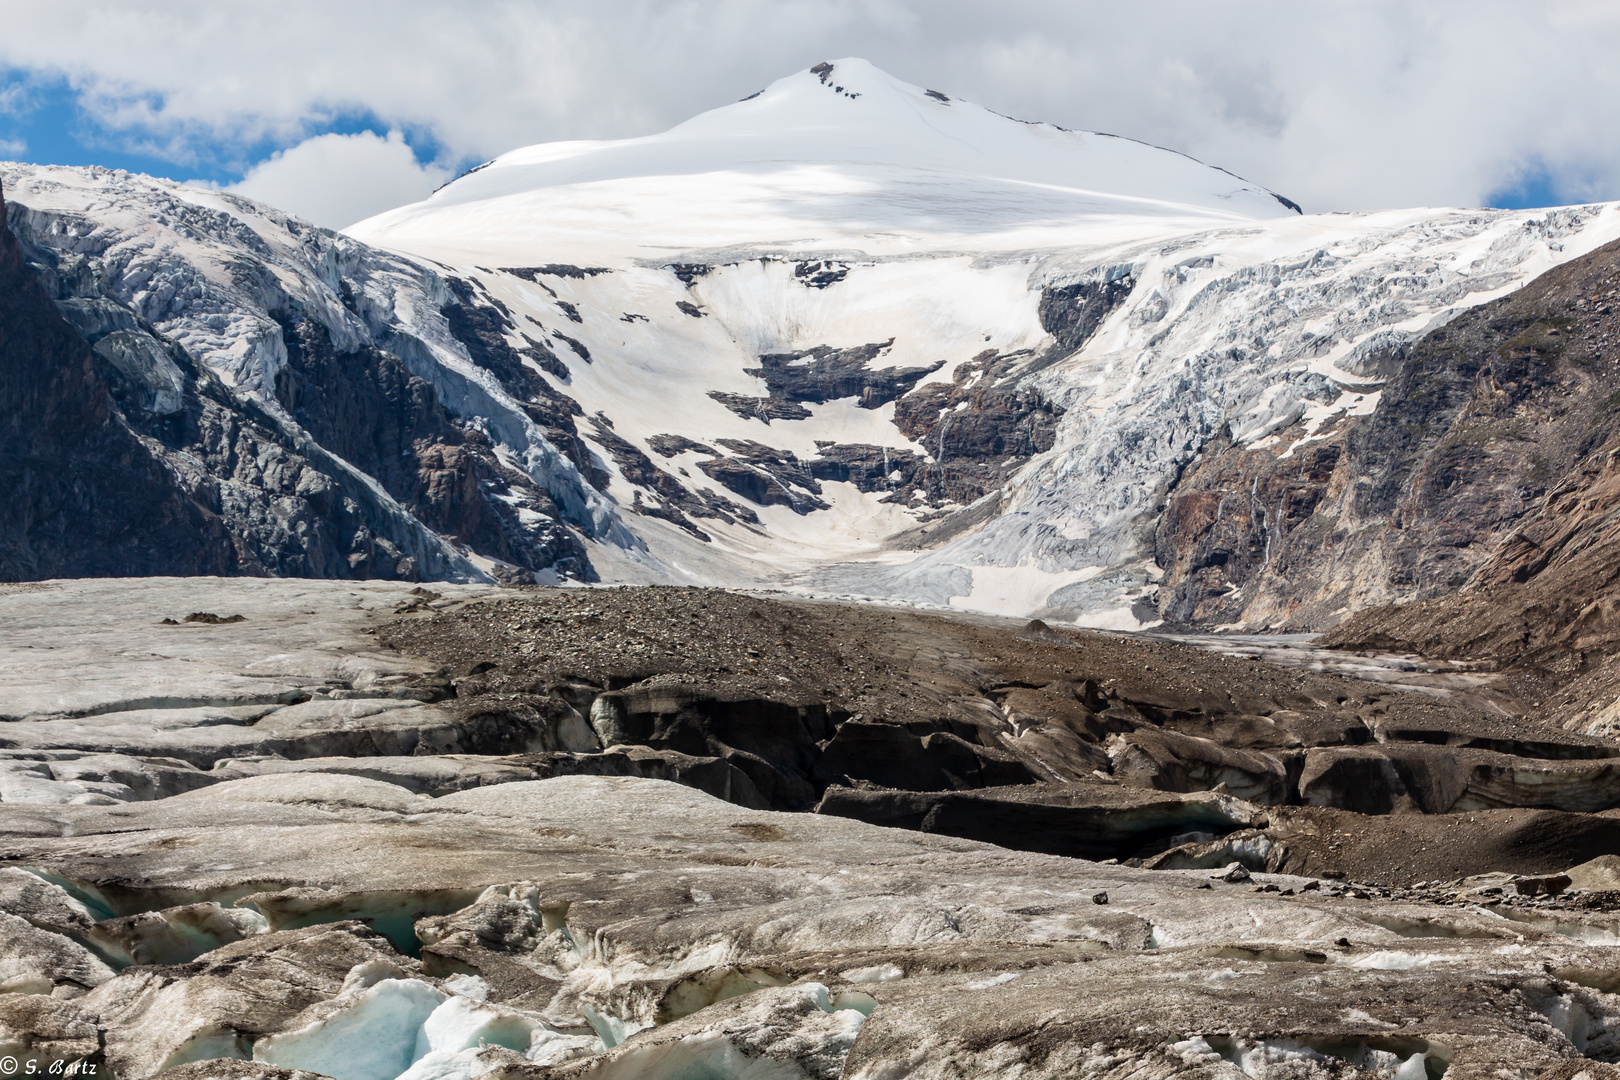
(1468, 517)
(1485, 463)
(365, 830)
(206, 395)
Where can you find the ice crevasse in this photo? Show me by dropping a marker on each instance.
(385, 1028)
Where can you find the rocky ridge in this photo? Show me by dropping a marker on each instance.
(306, 441)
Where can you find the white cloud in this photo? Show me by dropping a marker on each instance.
(1338, 104)
(12, 148)
(337, 180)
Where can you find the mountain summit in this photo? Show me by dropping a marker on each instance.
(841, 155)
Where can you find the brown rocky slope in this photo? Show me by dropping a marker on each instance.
(1487, 461)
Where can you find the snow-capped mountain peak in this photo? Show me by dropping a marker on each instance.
(840, 156)
(847, 334)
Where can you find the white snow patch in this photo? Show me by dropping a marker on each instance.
(1385, 960)
(985, 984)
(879, 973)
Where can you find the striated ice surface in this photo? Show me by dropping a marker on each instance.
(376, 1036)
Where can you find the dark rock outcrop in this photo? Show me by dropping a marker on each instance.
(367, 408)
(826, 374)
(980, 428)
(819, 375)
(1072, 313)
(761, 408)
(84, 494)
(1484, 465)
(766, 476)
(674, 500)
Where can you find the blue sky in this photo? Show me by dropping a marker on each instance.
(49, 126)
(43, 121)
(1362, 105)
(1538, 188)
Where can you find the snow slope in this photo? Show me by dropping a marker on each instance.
(841, 208)
(839, 157)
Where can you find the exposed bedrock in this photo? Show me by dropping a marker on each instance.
(825, 374)
(1072, 313)
(268, 398)
(976, 430)
(980, 428)
(367, 408)
(666, 496)
(822, 374)
(1485, 465)
(766, 476)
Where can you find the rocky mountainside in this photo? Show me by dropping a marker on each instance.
(85, 494)
(849, 335)
(257, 419)
(1470, 517)
(1486, 462)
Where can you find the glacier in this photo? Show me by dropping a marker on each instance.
(947, 231)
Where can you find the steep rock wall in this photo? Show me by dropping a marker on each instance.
(84, 495)
(1479, 467)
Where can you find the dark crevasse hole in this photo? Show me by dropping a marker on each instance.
(392, 913)
(178, 923)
